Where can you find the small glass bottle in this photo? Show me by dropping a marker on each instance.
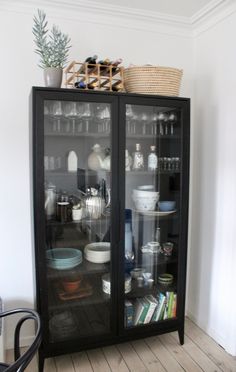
(152, 159)
(129, 253)
(158, 235)
(138, 160)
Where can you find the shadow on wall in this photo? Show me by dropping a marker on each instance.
(203, 210)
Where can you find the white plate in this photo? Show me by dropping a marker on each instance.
(155, 213)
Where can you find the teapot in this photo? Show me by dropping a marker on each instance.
(95, 204)
(95, 159)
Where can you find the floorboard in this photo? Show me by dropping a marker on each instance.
(153, 354)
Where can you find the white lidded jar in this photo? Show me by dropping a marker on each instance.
(72, 161)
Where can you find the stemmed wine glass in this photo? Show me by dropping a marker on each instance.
(87, 115)
(144, 120)
(80, 113)
(154, 123)
(172, 120)
(47, 116)
(57, 114)
(106, 119)
(161, 118)
(103, 115)
(131, 117)
(129, 114)
(70, 110)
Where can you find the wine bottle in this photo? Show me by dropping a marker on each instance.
(117, 87)
(91, 60)
(104, 64)
(115, 64)
(80, 85)
(93, 85)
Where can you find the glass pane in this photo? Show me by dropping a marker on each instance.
(77, 160)
(152, 202)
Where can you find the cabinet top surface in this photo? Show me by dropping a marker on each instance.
(120, 94)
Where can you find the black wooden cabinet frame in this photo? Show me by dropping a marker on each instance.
(118, 332)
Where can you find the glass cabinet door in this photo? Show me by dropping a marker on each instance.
(77, 210)
(152, 213)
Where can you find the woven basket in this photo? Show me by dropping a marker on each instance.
(153, 80)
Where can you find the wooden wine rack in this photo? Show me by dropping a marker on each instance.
(100, 77)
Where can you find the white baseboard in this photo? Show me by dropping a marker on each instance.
(210, 332)
(24, 341)
(2, 349)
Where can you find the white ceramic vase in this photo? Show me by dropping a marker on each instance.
(53, 77)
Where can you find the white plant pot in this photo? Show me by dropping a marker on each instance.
(53, 77)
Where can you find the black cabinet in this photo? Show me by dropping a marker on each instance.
(111, 174)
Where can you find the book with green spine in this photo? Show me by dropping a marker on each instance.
(159, 308)
(152, 306)
(170, 305)
(145, 307)
(138, 308)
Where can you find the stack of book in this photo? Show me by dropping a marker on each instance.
(150, 309)
(166, 308)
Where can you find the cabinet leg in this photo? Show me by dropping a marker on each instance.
(181, 336)
(40, 361)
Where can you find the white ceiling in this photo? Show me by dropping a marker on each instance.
(182, 8)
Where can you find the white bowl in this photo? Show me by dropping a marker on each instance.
(142, 193)
(97, 252)
(145, 203)
(146, 188)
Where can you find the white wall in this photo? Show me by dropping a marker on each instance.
(212, 259)
(18, 65)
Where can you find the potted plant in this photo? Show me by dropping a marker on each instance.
(53, 49)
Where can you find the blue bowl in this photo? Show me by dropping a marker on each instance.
(165, 206)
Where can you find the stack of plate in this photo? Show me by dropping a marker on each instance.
(63, 258)
(62, 325)
(165, 279)
(97, 252)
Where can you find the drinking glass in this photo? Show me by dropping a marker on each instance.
(70, 110)
(87, 116)
(154, 123)
(103, 115)
(80, 113)
(57, 114)
(161, 119)
(172, 120)
(130, 119)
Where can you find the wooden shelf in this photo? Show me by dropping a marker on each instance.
(151, 173)
(72, 134)
(152, 136)
(155, 213)
(96, 297)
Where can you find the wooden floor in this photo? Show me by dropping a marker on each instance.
(154, 354)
